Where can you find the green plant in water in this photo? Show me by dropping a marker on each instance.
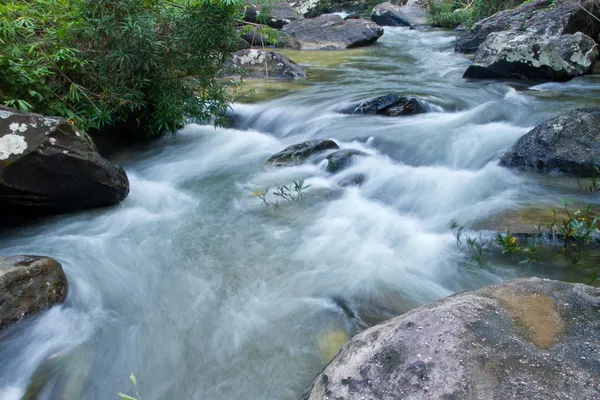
(508, 243)
(284, 192)
(124, 396)
(577, 231)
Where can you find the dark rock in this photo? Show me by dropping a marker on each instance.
(527, 339)
(299, 153)
(242, 42)
(569, 143)
(262, 64)
(48, 166)
(353, 180)
(331, 32)
(388, 14)
(280, 14)
(530, 56)
(29, 285)
(391, 105)
(461, 28)
(341, 159)
(540, 17)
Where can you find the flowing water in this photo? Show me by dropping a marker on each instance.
(205, 293)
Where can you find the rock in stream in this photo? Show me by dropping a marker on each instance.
(29, 285)
(48, 166)
(569, 143)
(526, 339)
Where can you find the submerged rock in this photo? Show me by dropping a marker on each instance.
(391, 105)
(569, 143)
(540, 17)
(530, 56)
(48, 166)
(388, 14)
(299, 153)
(29, 285)
(526, 339)
(262, 64)
(341, 159)
(331, 32)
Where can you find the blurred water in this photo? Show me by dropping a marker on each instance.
(205, 293)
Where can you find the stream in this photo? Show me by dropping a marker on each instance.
(205, 293)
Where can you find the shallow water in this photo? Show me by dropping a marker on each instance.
(205, 293)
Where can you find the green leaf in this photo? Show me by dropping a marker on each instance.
(133, 380)
(123, 396)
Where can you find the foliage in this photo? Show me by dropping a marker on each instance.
(124, 396)
(451, 13)
(283, 192)
(109, 62)
(577, 232)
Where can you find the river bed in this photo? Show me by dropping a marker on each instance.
(205, 293)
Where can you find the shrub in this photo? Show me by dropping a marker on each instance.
(450, 14)
(106, 62)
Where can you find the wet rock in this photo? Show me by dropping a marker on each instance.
(331, 32)
(299, 153)
(388, 14)
(569, 143)
(461, 28)
(352, 180)
(262, 64)
(48, 166)
(391, 105)
(242, 43)
(280, 14)
(529, 56)
(526, 339)
(29, 285)
(540, 17)
(341, 159)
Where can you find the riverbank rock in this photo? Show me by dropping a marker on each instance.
(29, 285)
(254, 37)
(341, 159)
(526, 339)
(540, 17)
(331, 32)
(299, 153)
(388, 14)
(569, 144)
(48, 166)
(390, 105)
(262, 64)
(529, 56)
(280, 14)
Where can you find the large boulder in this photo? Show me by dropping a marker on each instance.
(28, 285)
(279, 14)
(388, 14)
(569, 143)
(519, 55)
(331, 32)
(299, 153)
(526, 339)
(262, 64)
(390, 105)
(539, 17)
(49, 166)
